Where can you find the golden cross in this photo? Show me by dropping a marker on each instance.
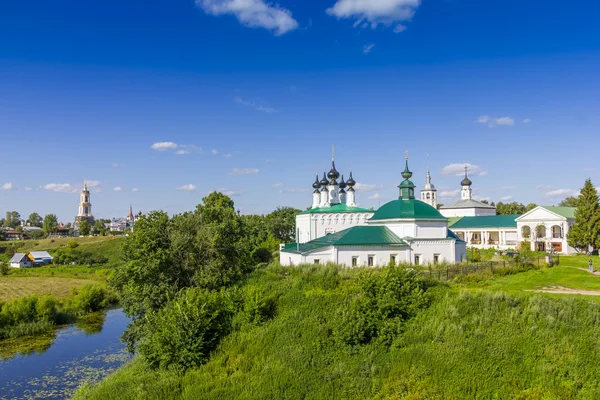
(407, 154)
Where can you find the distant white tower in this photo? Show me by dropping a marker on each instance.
(429, 192)
(466, 193)
(85, 205)
(333, 187)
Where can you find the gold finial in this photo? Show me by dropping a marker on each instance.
(407, 154)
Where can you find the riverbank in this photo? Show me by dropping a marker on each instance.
(335, 334)
(54, 365)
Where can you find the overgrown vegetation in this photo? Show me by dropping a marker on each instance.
(40, 313)
(432, 342)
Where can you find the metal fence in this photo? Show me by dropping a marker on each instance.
(451, 271)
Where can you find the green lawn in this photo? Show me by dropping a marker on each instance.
(17, 287)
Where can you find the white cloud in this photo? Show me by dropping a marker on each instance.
(253, 104)
(375, 12)
(135, 190)
(278, 185)
(458, 169)
(252, 13)
(228, 192)
(188, 188)
(244, 171)
(182, 151)
(8, 186)
(363, 187)
(448, 194)
(493, 122)
(562, 193)
(506, 198)
(214, 152)
(164, 146)
(58, 187)
(376, 196)
(481, 198)
(367, 49)
(527, 121)
(228, 155)
(28, 189)
(508, 121)
(118, 189)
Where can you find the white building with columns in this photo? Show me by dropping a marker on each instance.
(545, 229)
(403, 230)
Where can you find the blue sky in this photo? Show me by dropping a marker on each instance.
(250, 96)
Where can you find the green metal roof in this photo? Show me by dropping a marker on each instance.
(406, 209)
(453, 220)
(567, 212)
(489, 221)
(337, 208)
(355, 236)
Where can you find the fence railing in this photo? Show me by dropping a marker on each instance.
(451, 271)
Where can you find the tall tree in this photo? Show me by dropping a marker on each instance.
(35, 219)
(585, 232)
(282, 223)
(12, 220)
(84, 227)
(50, 224)
(570, 201)
(99, 227)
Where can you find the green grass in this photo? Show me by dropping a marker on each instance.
(17, 287)
(108, 246)
(469, 344)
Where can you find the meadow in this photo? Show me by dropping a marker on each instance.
(16, 287)
(486, 337)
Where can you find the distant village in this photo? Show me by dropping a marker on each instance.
(26, 229)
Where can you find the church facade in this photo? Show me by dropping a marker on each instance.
(335, 230)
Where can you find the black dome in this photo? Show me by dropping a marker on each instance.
(343, 184)
(324, 181)
(466, 182)
(350, 182)
(333, 174)
(317, 184)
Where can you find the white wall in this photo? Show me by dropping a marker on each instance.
(467, 212)
(540, 216)
(313, 226)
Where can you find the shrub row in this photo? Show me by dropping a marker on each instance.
(39, 313)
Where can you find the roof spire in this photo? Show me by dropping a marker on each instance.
(406, 174)
(407, 188)
(466, 181)
(332, 152)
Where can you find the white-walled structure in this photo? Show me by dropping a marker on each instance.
(466, 206)
(492, 231)
(403, 230)
(546, 228)
(429, 192)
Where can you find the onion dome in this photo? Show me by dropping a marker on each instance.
(324, 181)
(317, 184)
(466, 181)
(343, 184)
(333, 174)
(350, 182)
(406, 174)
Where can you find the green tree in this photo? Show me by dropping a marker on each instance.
(12, 220)
(99, 227)
(570, 201)
(35, 219)
(282, 223)
(50, 224)
(584, 234)
(204, 248)
(84, 227)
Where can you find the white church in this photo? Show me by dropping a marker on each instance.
(336, 230)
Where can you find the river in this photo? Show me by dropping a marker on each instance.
(53, 366)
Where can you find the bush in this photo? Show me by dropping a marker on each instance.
(262, 255)
(90, 298)
(386, 300)
(184, 332)
(73, 244)
(258, 306)
(45, 308)
(4, 268)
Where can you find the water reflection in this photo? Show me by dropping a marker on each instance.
(53, 366)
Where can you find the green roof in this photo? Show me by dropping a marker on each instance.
(355, 236)
(406, 209)
(338, 208)
(488, 221)
(567, 212)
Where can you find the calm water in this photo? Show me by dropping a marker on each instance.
(77, 355)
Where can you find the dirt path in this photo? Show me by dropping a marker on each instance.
(564, 290)
(597, 273)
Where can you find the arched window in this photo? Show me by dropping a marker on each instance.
(556, 232)
(540, 231)
(526, 232)
(428, 196)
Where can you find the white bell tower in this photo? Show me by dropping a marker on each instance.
(429, 192)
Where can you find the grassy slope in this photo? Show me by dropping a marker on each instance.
(469, 344)
(15, 287)
(109, 246)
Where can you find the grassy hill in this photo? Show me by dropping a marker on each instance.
(108, 246)
(475, 340)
